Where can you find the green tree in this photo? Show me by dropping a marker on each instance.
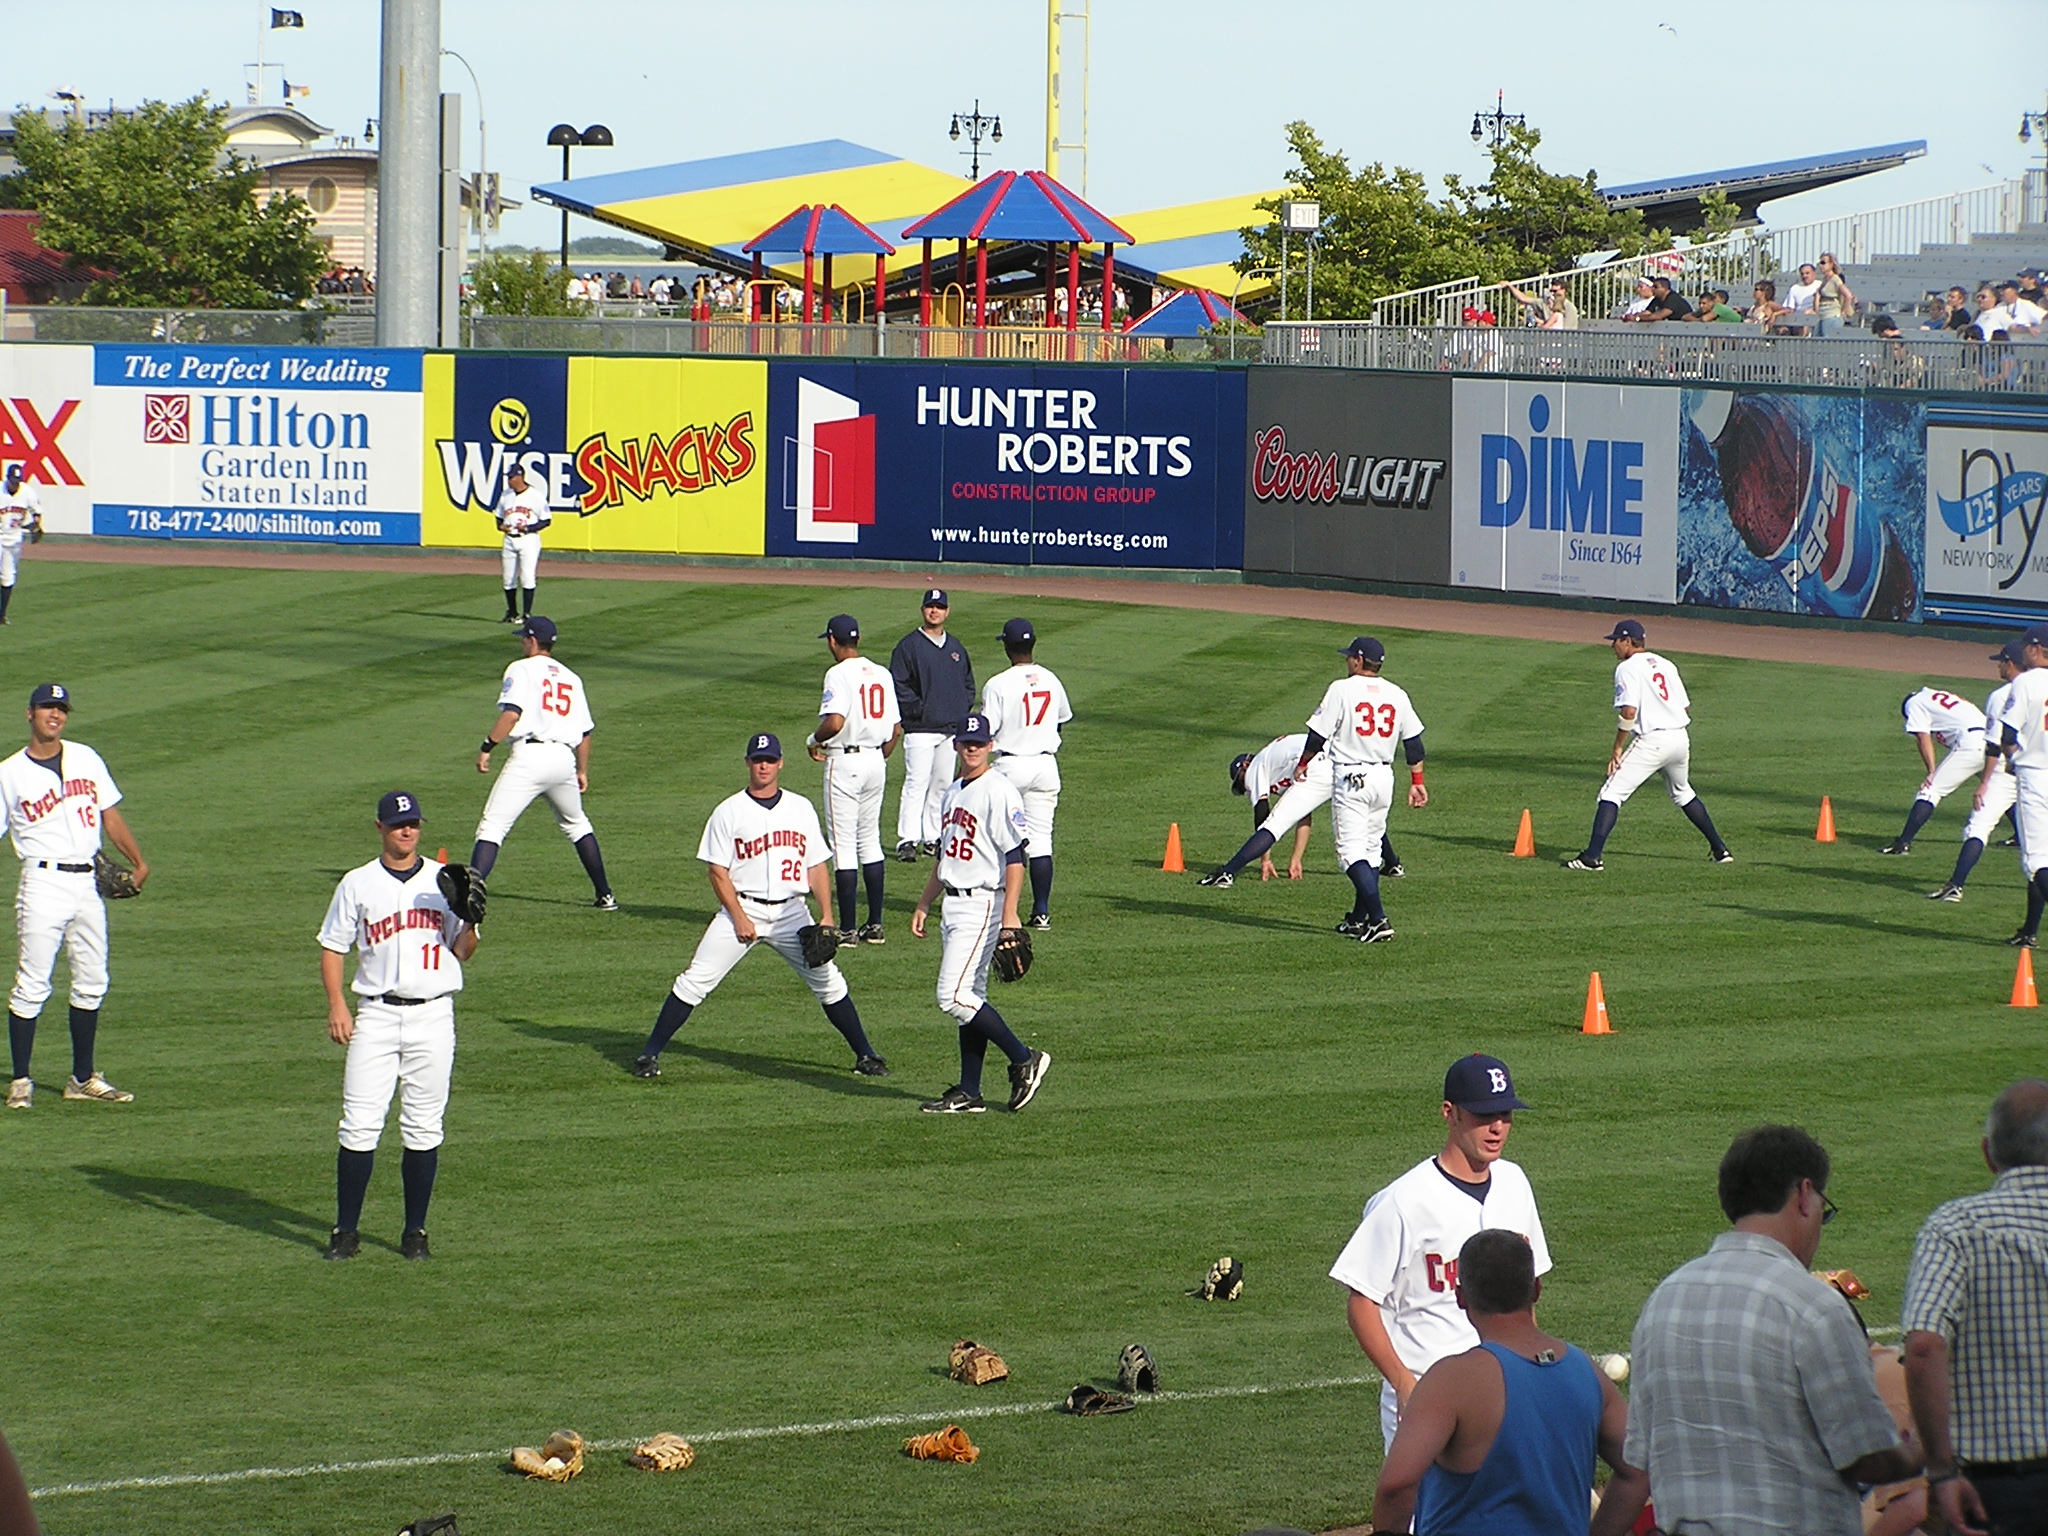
(155, 204)
(528, 283)
(1530, 220)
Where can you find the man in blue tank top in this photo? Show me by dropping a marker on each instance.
(1500, 1440)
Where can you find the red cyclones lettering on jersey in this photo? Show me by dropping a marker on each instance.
(377, 930)
(744, 848)
(964, 819)
(1442, 1272)
(36, 809)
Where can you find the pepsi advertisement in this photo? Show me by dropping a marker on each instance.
(1006, 465)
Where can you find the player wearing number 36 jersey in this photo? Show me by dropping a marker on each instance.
(1652, 737)
(858, 727)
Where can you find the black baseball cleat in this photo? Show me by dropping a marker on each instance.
(342, 1245)
(606, 903)
(1898, 848)
(511, 618)
(413, 1244)
(1722, 856)
(1582, 862)
(647, 1066)
(955, 1101)
(1025, 1076)
(929, 850)
(1041, 922)
(1352, 927)
(1946, 893)
(2022, 940)
(906, 853)
(1394, 871)
(871, 1066)
(1221, 879)
(1376, 933)
(2010, 842)
(871, 933)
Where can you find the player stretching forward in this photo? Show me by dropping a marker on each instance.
(858, 728)
(58, 798)
(2022, 744)
(522, 514)
(545, 703)
(1653, 737)
(1928, 713)
(1026, 706)
(21, 515)
(1279, 801)
(763, 852)
(1999, 789)
(1359, 720)
(410, 948)
(981, 870)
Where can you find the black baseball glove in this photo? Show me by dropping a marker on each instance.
(464, 888)
(1013, 954)
(819, 942)
(116, 882)
(1225, 1281)
(1136, 1371)
(35, 531)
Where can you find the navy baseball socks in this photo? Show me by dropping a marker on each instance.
(1696, 812)
(352, 1184)
(846, 885)
(511, 604)
(1973, 850)
(1365, 880)
(675, 1013)
(1255, 847)
(482, 857)
(85, 1029)
(1922, 811)
(872, 877)
(526, 600)
(1041, 886)
(1606, 813)
(6, 597)
(593, 865)
(986, 1028)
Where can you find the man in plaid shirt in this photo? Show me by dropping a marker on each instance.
(1976, 1323)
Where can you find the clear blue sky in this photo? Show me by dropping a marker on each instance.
(1188, 97)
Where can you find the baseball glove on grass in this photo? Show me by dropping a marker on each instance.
(974, 1365)
(464, 888)
(664, 1453)
(1013, 954)
(1136, 1371)
(1088, 1400)
(819, 943)
(948, 1444)
(1225, 1281)
(560, 1459)
(116, 882)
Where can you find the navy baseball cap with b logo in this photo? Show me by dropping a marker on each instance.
(936, 598)
(398, 808)
(1365, 648)
(1480, 1085)
(1627, 629)
(1019, 632)
(842, 628)
(2010, 652)
(763, 748)
(2037, 634)
(974, 731)
(538, 628)
(49, 694)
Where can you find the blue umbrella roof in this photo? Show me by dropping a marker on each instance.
(1012, 205)
(820, 229)
(1186, 313)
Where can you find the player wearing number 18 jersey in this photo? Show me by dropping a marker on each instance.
(858, 727)
(1653, 736)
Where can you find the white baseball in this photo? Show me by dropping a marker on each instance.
(1616, 1367)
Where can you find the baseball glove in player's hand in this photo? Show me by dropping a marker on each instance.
(664, 1453)
(464, 888)
(819, 943)
(1013, 954)
(116, 882)
(35, 532)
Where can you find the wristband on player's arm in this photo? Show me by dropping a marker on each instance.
(488, 747)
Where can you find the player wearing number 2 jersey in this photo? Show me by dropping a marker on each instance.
(543, 708)
(858, 727)
(1930, 713)
(1653, 736)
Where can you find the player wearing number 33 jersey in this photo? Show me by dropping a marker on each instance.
(858, 727)
(542, 706)
(1651, 737)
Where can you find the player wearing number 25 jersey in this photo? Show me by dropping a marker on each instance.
(543, 708)
(1652, 737)
(1932, 713)
(858, 728)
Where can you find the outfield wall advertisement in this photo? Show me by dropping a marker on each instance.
(1987, 496)
(46, 427)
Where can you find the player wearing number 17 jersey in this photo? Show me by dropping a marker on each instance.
(1026, 705)
(1652, 736)
(858, 727)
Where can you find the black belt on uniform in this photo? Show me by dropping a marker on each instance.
(972, 890)
(536, 741)
(2033, 1468)
(830, 748)
(69, 869)
(766, 901)
(404, 1002)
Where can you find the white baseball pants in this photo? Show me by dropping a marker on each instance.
(409, 1049)
(1665, 752)
(536, 768)
(10, 560)
(2030, 811)
(1962, 766)
(927, 770)
(1361, 795)
(1301, 799)
(1998, 799)
(1037, 778)
(521, 559)
(854, 781)
(54, 908)
(775, 925)
(969, 925)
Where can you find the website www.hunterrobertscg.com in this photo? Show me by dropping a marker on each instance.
(1051, 538)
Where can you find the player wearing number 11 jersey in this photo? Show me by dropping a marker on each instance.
(1651, 737)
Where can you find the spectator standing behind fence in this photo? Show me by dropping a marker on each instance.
(1798, 315)
(1976, 1325)
(1833, 303)
(1556, 312)
(1755, 1409)
(1500, 1440)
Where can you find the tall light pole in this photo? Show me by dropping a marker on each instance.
(976, 128)
(1497, 122)
(2032, 123)
(483, 150)
(409, 175)
(596, 136)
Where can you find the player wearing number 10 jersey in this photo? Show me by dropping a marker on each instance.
(1652, 737)
(858, 727)
(543, 708)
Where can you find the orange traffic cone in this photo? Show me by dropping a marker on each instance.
(442, 855)
(1171, 864)
(1825, 832)
(1596, 1009)
(2023, 995)
(1525, 840)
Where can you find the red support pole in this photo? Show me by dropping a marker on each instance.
(1108, 284)
(881, 282)
(808, 289)
(754, 291)
(828, 288)
(1051, 285)
(981, 284)
(924, 288)
(1073, 285)
(960, 272)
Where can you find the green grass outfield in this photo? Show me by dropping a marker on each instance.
(758, 1239)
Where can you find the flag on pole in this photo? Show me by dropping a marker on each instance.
(291, 90)
(285, 19)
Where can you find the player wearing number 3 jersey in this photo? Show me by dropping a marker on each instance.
(1652, 737)
(543, 708)
(858, 727)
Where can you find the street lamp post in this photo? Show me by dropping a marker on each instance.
(977, 128)
(2032, 123)
(596, 136)
(1235, 289)
(1497, 122)
(483, 150)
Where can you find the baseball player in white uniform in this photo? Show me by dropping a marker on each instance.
(858, 728)
(21, 514)
(2022, 744)
(764, 854)
(59, 798)
(1653, 736)
(543, 707)
(1401, 1265)
(522, 514)
(1280, 801)
(1999, 787)
(980, 869)
(410, 949)
(1025, 706)
(1357, 723)
(1931, 714)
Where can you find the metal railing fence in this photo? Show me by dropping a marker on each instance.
(243, 327)
(741, 338)
(1717, 354)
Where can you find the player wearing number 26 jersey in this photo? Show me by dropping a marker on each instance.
(542, 706)
(858, 727)
(1025, 706)
(1931, 714)
(1652, 736)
